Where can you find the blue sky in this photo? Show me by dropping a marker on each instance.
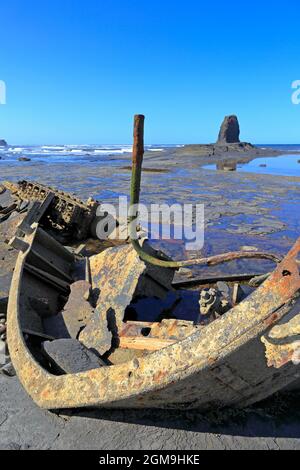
(77, 71)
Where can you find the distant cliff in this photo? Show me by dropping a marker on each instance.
(3, 143)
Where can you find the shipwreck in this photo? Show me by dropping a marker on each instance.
(76, 340)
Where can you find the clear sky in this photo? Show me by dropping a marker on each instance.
(76, 71)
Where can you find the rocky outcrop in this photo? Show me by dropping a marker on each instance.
(230, 131)
(3, 143)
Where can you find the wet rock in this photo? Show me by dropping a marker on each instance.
(230, 130)
(70, 356)
(24, 159)
(262, 226)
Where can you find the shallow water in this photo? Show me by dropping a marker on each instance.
(284, 165)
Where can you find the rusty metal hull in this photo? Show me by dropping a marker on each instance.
(243, 357)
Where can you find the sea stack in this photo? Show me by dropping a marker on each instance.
(230, 131)
(3, 143)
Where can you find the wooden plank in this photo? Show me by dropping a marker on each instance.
(41, 336)
(145, 343)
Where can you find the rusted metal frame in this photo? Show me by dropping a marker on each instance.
(161, 369)
(137, 161)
